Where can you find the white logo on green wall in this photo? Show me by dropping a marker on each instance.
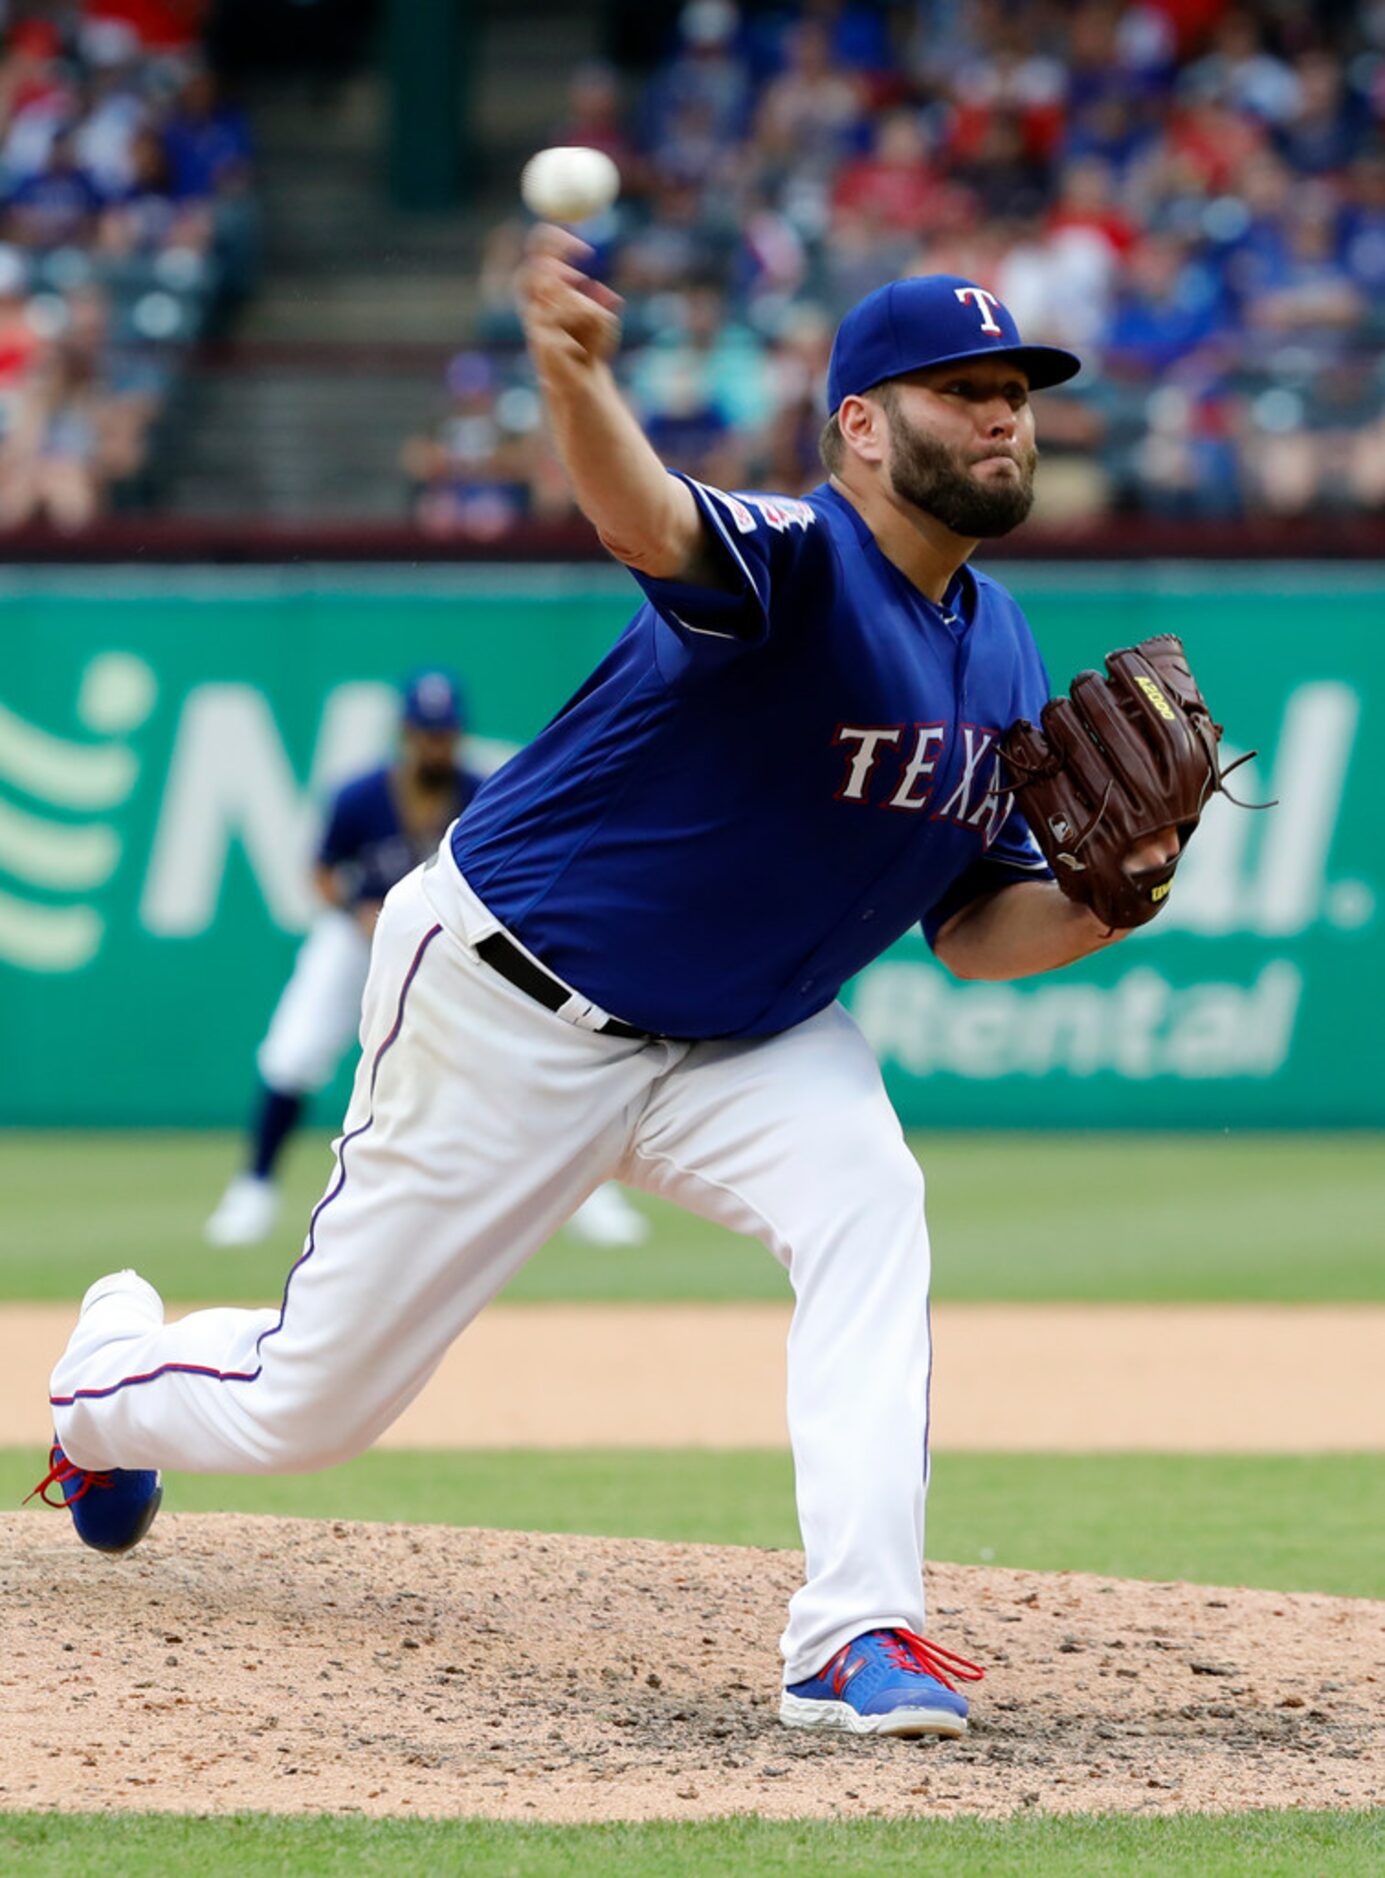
(1268, 874)
(60, 847)
(232, 785)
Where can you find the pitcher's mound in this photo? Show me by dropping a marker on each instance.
(291, 1666)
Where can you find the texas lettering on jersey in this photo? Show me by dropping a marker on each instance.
(976, 800)
(648, 852)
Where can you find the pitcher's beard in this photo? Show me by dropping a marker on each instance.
(434, 779)
(930, 476)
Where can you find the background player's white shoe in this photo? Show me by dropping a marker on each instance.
(608, 1218)
(248, 1210)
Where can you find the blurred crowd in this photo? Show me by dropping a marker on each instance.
(126, 224)
(1190, 193)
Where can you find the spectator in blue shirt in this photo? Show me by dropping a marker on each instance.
(1166, 307)
(207, 142)
(1331, 122)
(58, 207)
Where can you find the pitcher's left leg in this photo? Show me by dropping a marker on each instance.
(793, 1139)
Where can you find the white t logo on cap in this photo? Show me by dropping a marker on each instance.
(984, 302)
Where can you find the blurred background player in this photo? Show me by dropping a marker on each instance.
(379, 827)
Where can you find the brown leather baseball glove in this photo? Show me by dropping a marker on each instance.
(1123, 757)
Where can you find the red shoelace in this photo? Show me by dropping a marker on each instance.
(908, 1651)
(60, 1470)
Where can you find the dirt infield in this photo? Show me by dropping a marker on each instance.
(1044, 1378)
(293, 1666)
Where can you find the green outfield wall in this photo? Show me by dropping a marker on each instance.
(166, 740)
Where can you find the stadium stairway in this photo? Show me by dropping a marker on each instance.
(269, 435)
(299, 412)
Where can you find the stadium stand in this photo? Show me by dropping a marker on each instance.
(1189, 192)
(1192, 194)
(127, 227)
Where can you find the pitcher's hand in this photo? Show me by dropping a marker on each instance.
(570, 320)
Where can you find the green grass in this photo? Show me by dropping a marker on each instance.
(1271, 1845)
(1301, 1523)
(1110, 1216)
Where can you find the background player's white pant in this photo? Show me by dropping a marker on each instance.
(478, 1122)
(318, 1009)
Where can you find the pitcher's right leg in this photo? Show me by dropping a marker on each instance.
(478, 1122)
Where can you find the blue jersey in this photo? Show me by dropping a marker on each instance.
(757, 791)
(366, 844)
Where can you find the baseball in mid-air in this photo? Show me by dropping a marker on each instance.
(569, 183)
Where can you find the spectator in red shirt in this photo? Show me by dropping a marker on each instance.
(36, 97)
(898, 187)
(1213, 141)
(159, 25)
(1087, 200)
(594, 119)
(19, 343)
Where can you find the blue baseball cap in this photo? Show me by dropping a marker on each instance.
(433, 701)
(932, 319)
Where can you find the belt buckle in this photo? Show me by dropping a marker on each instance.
(582, 1013)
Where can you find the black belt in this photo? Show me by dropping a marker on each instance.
(528, 976)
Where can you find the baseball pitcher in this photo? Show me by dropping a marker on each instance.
(625, 959)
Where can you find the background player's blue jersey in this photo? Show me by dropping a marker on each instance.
(364, 840)
(757, 791)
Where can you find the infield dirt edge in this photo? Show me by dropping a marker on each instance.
(1020, 1378)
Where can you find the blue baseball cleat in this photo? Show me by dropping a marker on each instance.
(886, 1682)
(111, 1511)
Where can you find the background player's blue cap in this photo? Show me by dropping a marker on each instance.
(433, 701)
(932, 319)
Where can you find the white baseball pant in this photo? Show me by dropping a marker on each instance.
(319, 1008)
(478, 1123)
